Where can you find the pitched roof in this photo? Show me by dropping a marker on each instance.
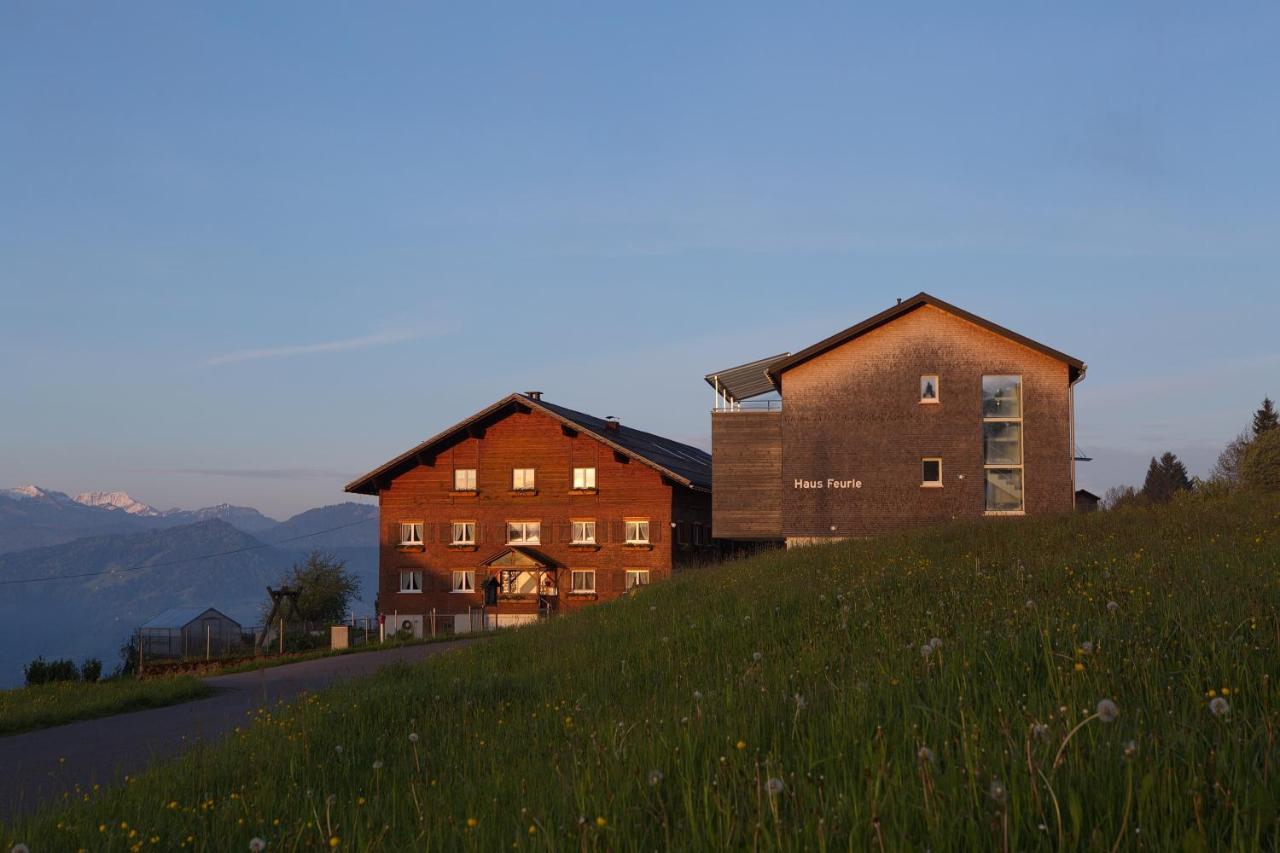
(180, 617)
(1075, 367)
(682, 463)
(746, 380)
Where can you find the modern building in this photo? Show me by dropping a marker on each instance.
(527, 508)
(922, 413)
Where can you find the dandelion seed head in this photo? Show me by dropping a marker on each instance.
(936, 643)
(925, 755)
(1087, 647)
(1029, 604)
(20, 848)
(1112, 606)
(757, 656)
(377, 765)
(1130, 748)
(338, 749)
(697, 695)
(774, 786)
(655, 777)
(1219, 706)
(413, 737)
(1107, 711)
(1039, 730)
(257, 845)
(998, 792)
(926, 650)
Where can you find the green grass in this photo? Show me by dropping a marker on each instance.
(45, 705)
(657, 722)
(269, 661)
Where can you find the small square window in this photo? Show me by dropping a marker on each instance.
(584, 478)
(464, 480)
(584, 580)
(464, 533)
(522, 479)
(524, 532)
(411, 581)
(411, 533)
(584, 533)
(637, 577)
(464, 581)
(931, 472)
(929, 389)
(638, 531)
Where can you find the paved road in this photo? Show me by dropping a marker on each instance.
(38, 767)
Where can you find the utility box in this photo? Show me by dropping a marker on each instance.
(340, 637)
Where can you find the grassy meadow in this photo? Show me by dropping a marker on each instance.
(1088, 683)
(26, 708)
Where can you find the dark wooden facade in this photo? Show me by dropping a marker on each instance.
(533, 578)
(846, 454)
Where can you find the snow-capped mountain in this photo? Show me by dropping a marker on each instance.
(30, 492)
(114, 500)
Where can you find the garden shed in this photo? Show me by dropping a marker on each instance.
(190, 631)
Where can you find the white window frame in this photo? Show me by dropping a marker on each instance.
(931, 484)
(414, 576)
(641, 578)
(1020, 467)
(636, 540)
(468, 581)
(574, 528)
(453, 533)
(573, 581)
(524, 479)
(411, 527)
(524, 533)
(584, 478)
(464, 479)
(937, 389)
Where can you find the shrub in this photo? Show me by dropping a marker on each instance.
(1260, 468)
(41, 671)
(90, 670)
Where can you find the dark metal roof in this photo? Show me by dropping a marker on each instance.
(181, 617)
(1076, 367)
(746, 380)
(682, 463)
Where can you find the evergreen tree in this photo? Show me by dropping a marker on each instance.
(1165, 478)
(1265, 418)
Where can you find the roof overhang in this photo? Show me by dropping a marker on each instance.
(369, 483)
(1075, 367)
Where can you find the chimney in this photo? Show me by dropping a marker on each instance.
(533, 395)
(611, 424)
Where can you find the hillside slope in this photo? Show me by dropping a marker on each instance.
(942, 689)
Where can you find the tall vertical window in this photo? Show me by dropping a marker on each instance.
(584, 478)
(522, 479)
(464, 533)
(411, 581)
(464, 480)
(1002, 443)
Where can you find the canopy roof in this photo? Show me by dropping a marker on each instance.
(746, 380)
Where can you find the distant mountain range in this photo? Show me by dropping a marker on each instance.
(46, 534)
(31, 517)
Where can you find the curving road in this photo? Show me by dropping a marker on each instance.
(37, 768)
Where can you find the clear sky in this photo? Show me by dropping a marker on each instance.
(248, 250)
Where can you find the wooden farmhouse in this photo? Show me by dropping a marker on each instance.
(528, 508)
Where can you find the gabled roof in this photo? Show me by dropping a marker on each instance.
(746, 380)
(519, 557)
(682, 463)
(180, 617)
(1076, 367)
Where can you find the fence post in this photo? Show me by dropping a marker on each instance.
(433, 622)
(206, 642)
(281, 635)
(139, 653)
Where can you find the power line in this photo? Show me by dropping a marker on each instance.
(164, 563)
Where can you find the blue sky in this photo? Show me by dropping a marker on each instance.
(248, 251)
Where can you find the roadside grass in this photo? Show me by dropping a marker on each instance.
(269, 661)
(26, 708)
(788, 702)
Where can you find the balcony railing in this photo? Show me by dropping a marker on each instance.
(723, 405)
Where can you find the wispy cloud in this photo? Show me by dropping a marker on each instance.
(345, 345)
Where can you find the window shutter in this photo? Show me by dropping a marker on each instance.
(619, 580)
(655, 532)
(619, 531)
